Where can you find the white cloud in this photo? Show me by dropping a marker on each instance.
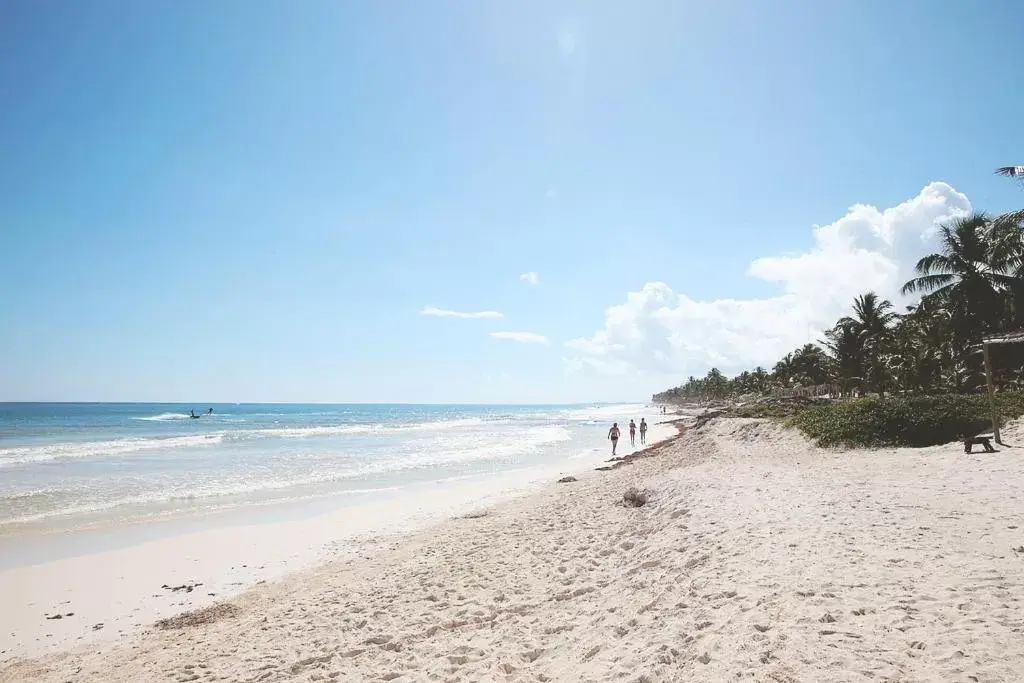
(658, 331)
(441, 313)
(523, 337)
(530, 278)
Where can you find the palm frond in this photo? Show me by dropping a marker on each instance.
(935, 264)
(927, 283)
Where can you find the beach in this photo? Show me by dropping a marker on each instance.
(757, 557)
(111, 543)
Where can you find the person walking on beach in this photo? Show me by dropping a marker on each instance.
(643, 432)
(613, 434)
(632, 434)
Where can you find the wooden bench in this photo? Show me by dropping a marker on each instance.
(984, 441)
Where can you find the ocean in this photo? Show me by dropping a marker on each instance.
(81, 465)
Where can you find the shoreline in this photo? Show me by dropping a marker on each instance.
(757, 556)
(116, 581)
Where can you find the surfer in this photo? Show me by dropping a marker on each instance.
(192, 414)
(613, 434)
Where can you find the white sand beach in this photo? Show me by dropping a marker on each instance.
(758, 557)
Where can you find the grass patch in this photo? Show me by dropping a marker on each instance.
(902, 421)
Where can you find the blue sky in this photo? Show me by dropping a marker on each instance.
(253, 200)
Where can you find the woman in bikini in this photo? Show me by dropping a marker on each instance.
(613, 434)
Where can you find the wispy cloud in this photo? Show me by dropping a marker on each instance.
(522, 337)
(530, 278)
(442, 313)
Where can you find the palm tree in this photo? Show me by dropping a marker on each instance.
(716, 384)
(968, 276)
(847, 350)
(811, 365)
(872, 316)
(784, 371)
(761, 380)
(871, 324)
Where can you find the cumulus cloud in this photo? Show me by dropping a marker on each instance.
(530, 278)
(660, 331)
(442, 313)
(523, 337)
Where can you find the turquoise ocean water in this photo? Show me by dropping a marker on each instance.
(81, 464)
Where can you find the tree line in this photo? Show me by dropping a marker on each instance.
(971, 288)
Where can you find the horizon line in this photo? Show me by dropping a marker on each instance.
(321, 403)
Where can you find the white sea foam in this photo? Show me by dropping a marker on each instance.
(426, 453)
(20, 455)
(602, 414)
(179, 472)
(206, 498)
(164, 417)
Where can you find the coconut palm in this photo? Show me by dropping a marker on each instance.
(972, 286)
(872, 316)
(871, 323)
(847, 350)
(969, 275)
(811, 366)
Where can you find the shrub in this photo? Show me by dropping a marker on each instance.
(903, 421)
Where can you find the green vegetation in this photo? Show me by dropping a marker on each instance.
(911, 378)
(902, 421)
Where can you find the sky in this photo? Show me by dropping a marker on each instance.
(473, 202)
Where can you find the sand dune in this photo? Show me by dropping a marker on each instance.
(759, 557)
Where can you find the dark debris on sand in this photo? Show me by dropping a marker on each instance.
(681, 426)
(635, 498)
(187, 587)
(198, 617)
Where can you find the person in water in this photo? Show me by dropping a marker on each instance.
(192, 413)
(643, 432)
(613, 434)
(632, 434)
